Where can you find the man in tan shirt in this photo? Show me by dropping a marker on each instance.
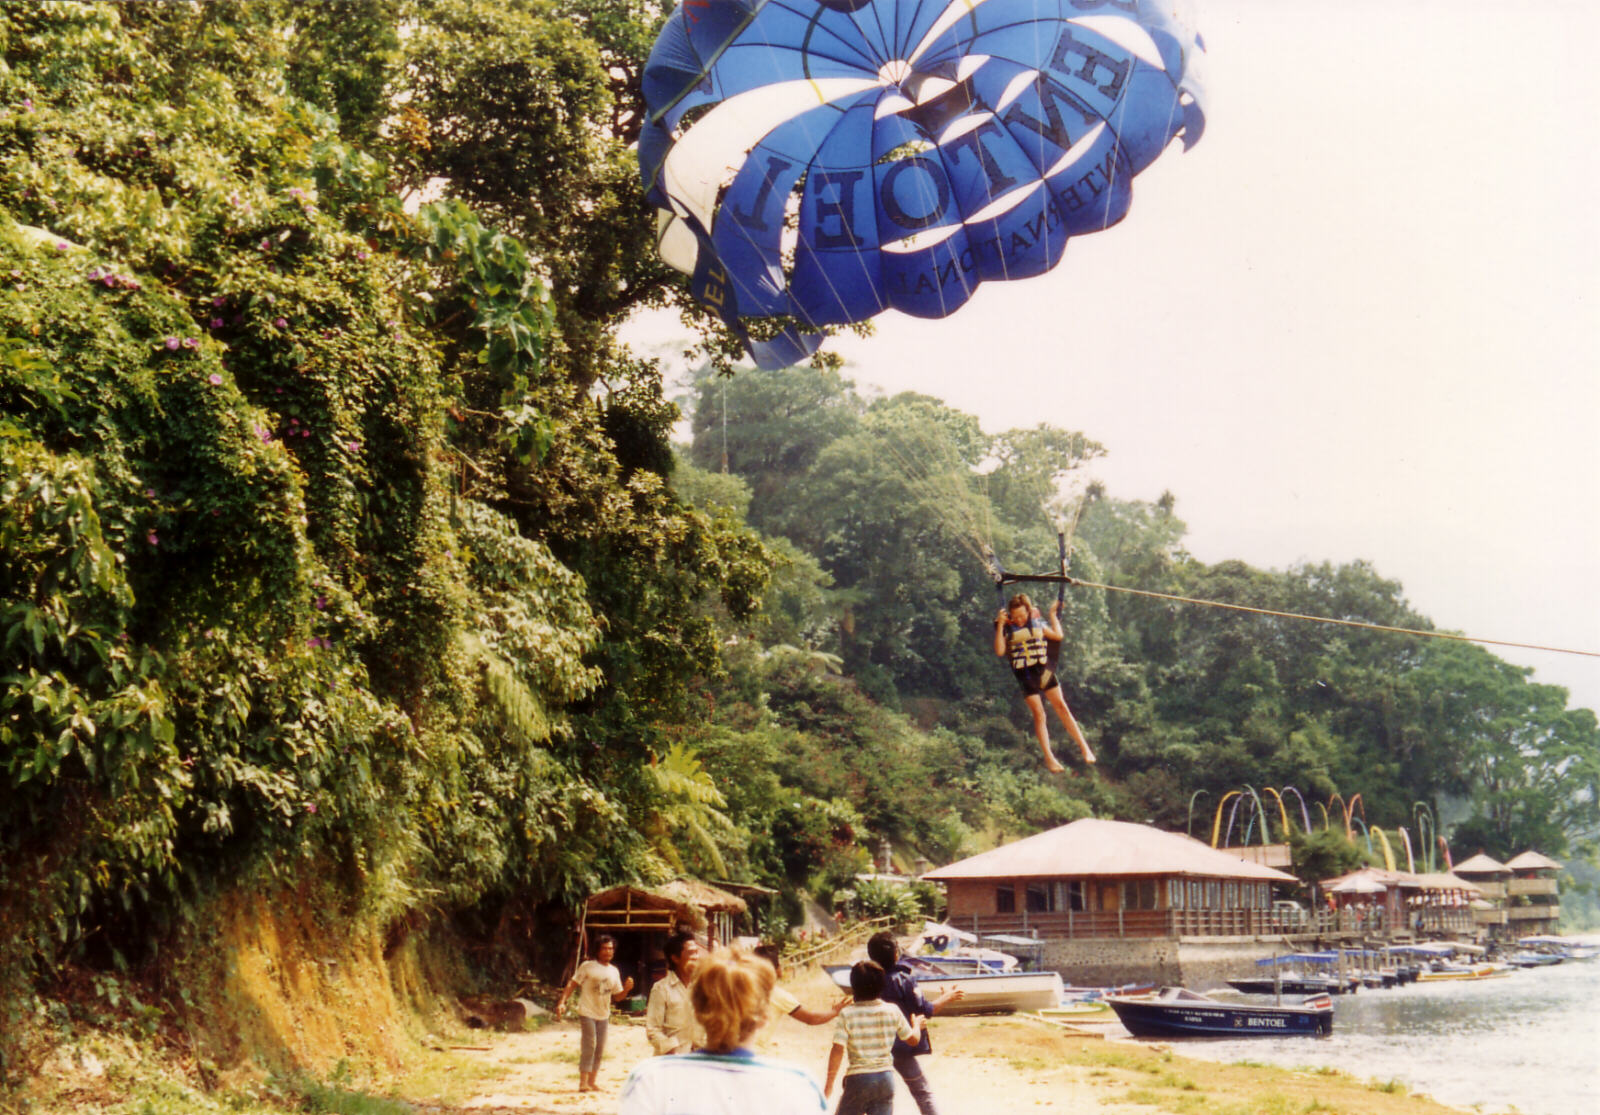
(669, 1020)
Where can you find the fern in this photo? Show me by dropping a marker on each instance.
(518, 705)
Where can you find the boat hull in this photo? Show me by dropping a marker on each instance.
(1294, 986)
(1201, 1017)
(984, 992)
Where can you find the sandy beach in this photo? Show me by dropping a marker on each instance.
(979, 1065)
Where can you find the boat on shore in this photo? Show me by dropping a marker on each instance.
(1567, 948)
(1295, 975)
(982, 992)
(1483, 970)
(1179, 1012)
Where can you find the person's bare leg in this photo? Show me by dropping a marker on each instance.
(1059, 703)
(1042, 731)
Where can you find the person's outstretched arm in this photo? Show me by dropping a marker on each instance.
(1000, 634)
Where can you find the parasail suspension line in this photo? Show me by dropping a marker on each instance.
(1014, 579)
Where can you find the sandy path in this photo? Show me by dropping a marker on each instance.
(976, 1060)
(980, 1066)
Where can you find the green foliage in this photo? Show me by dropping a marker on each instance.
(1324, 854)
(895, 499)
(870, 898)
(312, 535)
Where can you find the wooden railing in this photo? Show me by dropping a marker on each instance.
(1067, 925)
(835, 947)
(1219, 923)
(1532, 886)
(1533, 913)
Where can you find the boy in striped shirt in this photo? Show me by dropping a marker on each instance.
(866, 1030)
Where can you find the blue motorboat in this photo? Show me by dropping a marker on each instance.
(1177, 1012)
(1297, 976)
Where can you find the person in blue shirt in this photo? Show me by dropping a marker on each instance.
(1032, 644)
(900, 989)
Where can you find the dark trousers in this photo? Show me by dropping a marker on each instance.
(867, 1093)
(906, 1065)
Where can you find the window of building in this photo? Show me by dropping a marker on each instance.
(1175, 893)
(1230, 896)
(1039, 898)
(1069, 895)
(1213, 895)
(1196, 895)
(1005, 900)
(1139, 894)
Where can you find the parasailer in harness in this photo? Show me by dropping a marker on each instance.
(1031, 644)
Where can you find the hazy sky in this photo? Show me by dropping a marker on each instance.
(1359, 320)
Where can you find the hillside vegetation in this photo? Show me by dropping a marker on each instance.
(356, 607)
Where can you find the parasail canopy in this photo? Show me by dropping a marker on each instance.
(820, 161)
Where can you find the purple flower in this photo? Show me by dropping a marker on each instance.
(361, 255)
(353, 446)
(149, 493)
(313, 642)
(321, 603)
(94, 273)
(305, 433)
(264, 434)
(110, 280)
(219, 301)
(27, 104)
(281, 324)
(215, 379)
(172, 344)
(216, 323)
(62, 245)
(265, 244)
(152, 539)
(191, 342)
(293, 421)
(312, 808)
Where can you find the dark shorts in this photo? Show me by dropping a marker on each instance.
(1036, 680)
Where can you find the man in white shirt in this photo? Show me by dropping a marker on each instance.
(669, 1020)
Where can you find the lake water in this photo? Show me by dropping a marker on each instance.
(1529, 1041)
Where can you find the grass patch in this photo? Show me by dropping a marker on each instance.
(1146, 1097)
(1030, 1064)
(1391, 1086)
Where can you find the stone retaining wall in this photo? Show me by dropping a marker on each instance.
(1198, 963)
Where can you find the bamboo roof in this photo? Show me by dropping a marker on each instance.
(1533, 861)
(1095, 848)
(704, 895)
(661, 908)
(1481, 864)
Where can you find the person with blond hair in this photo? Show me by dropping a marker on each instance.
(730, 995)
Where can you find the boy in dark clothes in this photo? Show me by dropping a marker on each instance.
(900, 988)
